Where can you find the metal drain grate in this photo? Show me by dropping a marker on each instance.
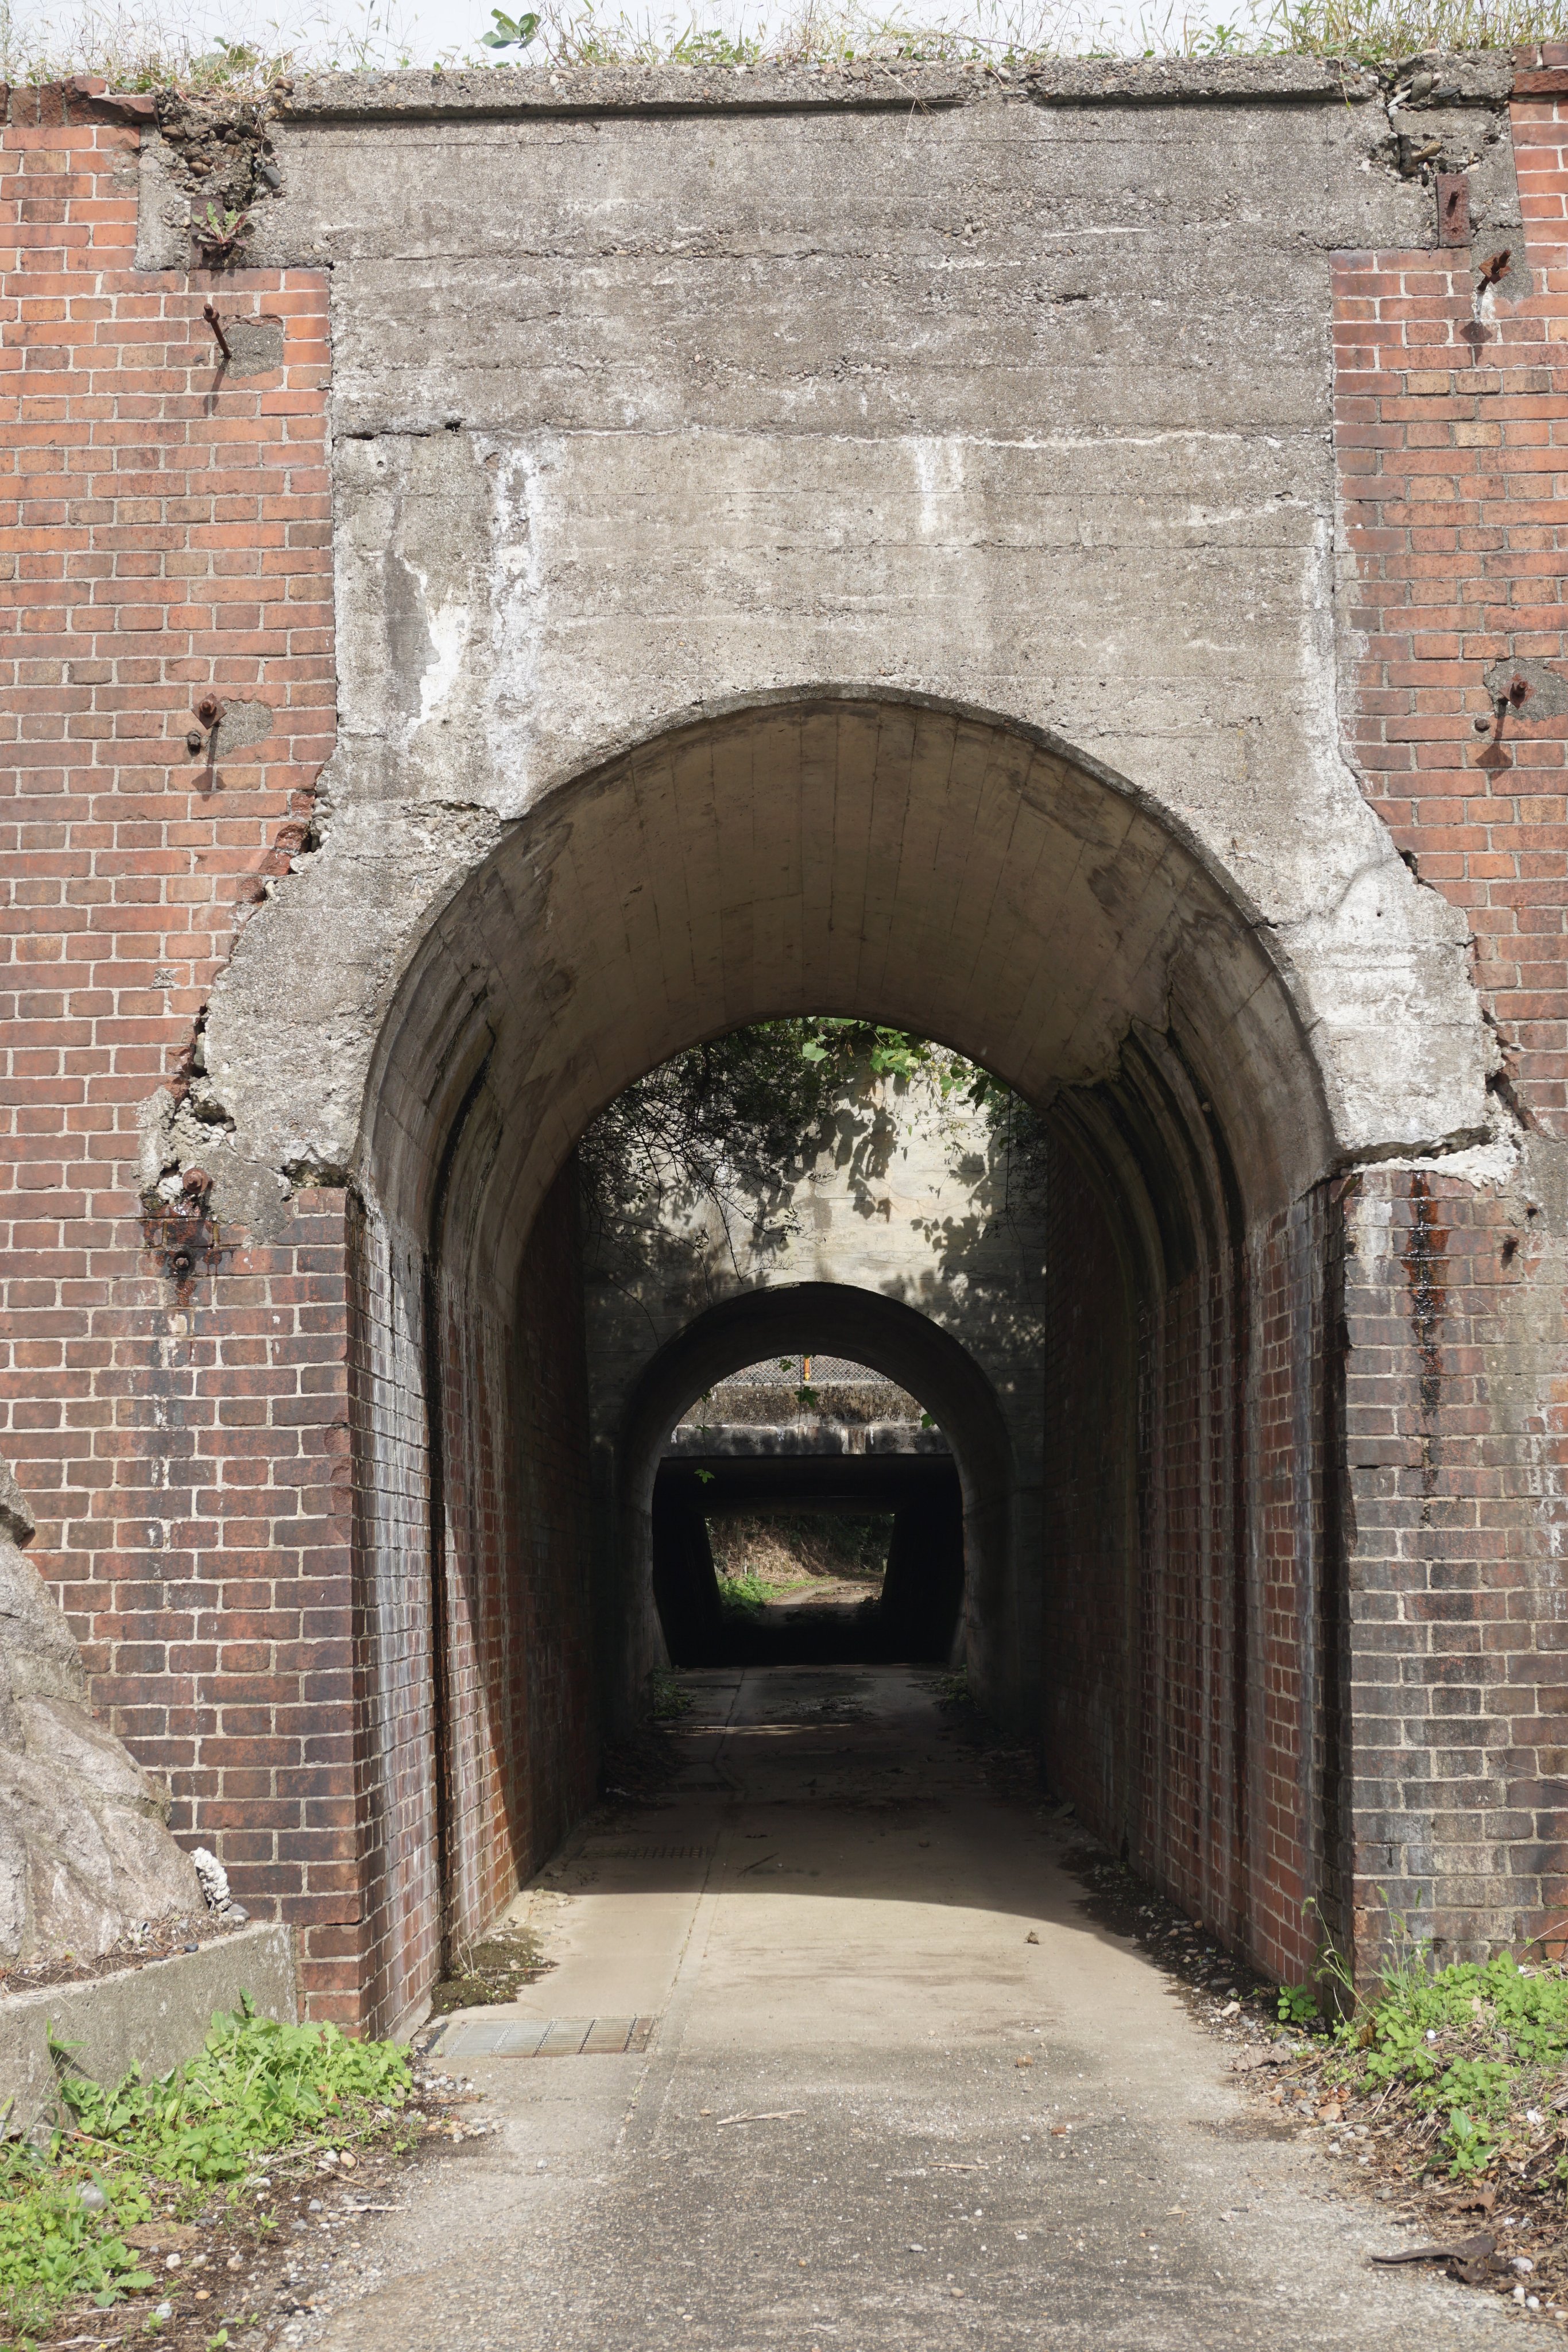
(531, 2037)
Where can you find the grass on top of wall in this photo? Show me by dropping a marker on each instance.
(155, 47)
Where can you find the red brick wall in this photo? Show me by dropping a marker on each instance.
(1459, 1645)
(178, 1398)
(395, 1649)
(1186, 1673)
(519, 1568)
(1452, 418)
(180, 1433)
(483, 1654)
(550, 1667)
(1451, 411)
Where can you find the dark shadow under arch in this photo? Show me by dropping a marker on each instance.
(884, 1333)
(970, 878)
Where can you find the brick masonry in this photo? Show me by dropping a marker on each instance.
(185, 1403)
(1451, 383)
(482, 1657)
(175, 1397)
(1189, 1671)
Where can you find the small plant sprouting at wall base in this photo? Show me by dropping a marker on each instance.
(120, 2151)
(1467, 2059)
(668, 1699)
(1477, 2049)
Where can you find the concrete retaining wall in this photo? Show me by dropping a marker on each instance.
(150, 2017)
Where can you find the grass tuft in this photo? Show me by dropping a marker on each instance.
(153, 47)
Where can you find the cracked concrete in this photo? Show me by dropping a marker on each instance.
(904, 2089)
(660, 394)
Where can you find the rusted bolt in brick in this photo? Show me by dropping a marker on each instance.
(181, 1232)
(1495, 268)
(1453, 208)
(217, 324)
(209, 710)
(1518, 692)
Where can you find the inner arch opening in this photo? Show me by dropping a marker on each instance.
(807, 1509)
(1152, 1598)
(965, 1448)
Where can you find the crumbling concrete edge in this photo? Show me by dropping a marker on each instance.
(534, 90)
(154, 2016)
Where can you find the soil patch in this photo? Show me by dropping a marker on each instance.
(155, 1940)
(494, 1970)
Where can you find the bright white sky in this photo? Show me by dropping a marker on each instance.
(76, 31)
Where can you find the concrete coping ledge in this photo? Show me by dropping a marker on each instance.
(751, 1440)
(152, 2016)
(515, 93)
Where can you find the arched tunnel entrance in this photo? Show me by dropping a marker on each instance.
(1156, 1602)
(951, 1489)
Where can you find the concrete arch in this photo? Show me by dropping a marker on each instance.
(914, 861)
(869, 1328)
(894, 856)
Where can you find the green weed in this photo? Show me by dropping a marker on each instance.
(1477, 2049)
(256, 2087)
(54, 2249)
(668, 1697)
(511, 32)
(746, 1593)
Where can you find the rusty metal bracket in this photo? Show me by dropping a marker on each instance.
(1453, 208)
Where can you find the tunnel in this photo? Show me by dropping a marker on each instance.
(950, 1490)
(1155, 1604)
(913, 1614)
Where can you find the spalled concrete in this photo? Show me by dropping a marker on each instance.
(833, 2141)
(660, 394)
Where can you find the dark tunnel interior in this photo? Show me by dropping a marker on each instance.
(913, 1619)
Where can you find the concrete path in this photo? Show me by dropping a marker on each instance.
(829, 2141)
